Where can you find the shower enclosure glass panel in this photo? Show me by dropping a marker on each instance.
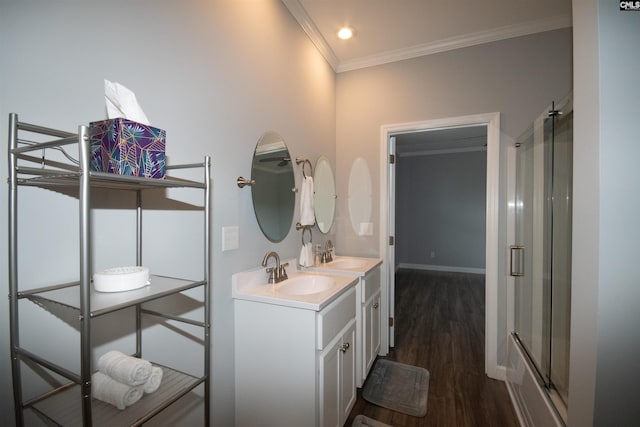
(541, 258)
(528, 298)
(561, 134)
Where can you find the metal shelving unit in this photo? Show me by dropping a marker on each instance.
(72, 403)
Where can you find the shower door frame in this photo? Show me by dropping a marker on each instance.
(541, 225)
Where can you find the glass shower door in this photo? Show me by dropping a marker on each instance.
(541, 258)
(559, 128)
(526, 255)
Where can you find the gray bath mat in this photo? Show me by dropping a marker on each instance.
(398, 387)
(364, 421)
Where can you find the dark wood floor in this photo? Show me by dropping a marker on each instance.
(439, 320)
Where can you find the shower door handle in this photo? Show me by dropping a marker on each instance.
(516, 261)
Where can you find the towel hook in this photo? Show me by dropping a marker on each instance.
(304, 163)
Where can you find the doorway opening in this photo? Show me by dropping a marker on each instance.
(440, 197)
(389, 133)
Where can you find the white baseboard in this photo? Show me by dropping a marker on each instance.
(499, 372)
(446, 268)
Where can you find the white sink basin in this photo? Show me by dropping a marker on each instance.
(346, 263)
(306, 285)
(311, 290)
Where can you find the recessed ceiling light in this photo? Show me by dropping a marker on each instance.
(345, 33)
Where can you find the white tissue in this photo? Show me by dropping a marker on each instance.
(122, 102)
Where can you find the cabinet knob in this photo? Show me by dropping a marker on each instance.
(376, 305)
(344, 347)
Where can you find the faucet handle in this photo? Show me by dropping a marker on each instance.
(283, 272)
(328, 249)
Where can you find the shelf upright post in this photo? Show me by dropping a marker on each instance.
(13, 271)
(139, 227)
(207, 288)
(85, 266)
(139, 263)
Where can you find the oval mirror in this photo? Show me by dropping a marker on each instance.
(272, 194)
(324, 200)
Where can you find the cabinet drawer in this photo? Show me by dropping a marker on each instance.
(370, 284)
(335, 317)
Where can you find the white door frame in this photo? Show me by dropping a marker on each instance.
(387, 213)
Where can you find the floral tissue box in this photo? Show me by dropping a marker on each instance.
(125, 147)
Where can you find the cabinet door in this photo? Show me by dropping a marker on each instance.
(371, 342)
(337, 370)
(348, 372)
(376, 317)
(329, 372)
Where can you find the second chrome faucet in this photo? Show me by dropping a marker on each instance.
(278, 273)
(328, 249)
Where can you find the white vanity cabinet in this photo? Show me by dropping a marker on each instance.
(368, 308)
(295, 366)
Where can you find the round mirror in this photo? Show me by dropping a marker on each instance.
(324, 200)
(272, 194)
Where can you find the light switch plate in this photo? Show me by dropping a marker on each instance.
(366, 229)
(230, 238)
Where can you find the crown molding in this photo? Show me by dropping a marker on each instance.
(300, 14)
(452, 43)
(466, 40)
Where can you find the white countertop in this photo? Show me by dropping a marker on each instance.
(253, 286)
(347, 265)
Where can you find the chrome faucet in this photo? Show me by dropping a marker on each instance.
(328, 248)
(277, 273)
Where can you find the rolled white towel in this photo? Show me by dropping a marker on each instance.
(113, 392)
(125, 369)
(154, 380)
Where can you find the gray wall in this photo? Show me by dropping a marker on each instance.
(604, 340)
(441, 211)
(517, 77)
(215, 75)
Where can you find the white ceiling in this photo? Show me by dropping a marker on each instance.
(392, 30)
